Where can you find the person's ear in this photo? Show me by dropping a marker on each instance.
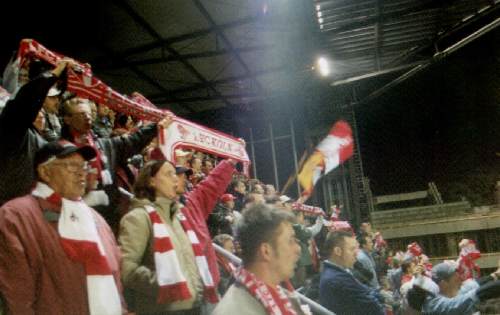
(337, 251)
(43, 173)
(67, 119)
(265, 251)
(152, 182)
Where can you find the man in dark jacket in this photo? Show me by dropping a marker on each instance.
(111, 151)
(18, 140)
(223, 219)
(238, 190)
(339, 291)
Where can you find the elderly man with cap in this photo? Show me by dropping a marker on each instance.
(223, 219)
(445, 296)
(58, 256)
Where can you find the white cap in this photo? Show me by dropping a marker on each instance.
(54, 91)
(285, 198)
(181, 153)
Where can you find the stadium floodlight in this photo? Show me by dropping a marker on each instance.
(323, 66)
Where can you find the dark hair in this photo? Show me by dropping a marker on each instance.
(121, 120)
(416, 297)
(362, 239)
(142, 187)
(258, 225)
(334, 239)
(235, 183)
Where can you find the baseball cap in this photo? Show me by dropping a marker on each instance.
(54, 91)
(226, 198)
(443, 271)
(179, 169)
(61, 149)
(285, 198)
(182, 153)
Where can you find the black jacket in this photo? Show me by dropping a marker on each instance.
(19, 141)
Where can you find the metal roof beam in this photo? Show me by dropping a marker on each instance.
(210, 97)
(204, 54)
(224, 38)
(159, 43)
(141, 75)
(201, 85)
(383, 17)
(141, 21)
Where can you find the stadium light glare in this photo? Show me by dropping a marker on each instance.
(323, 66)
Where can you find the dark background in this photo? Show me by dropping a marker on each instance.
(440, 125)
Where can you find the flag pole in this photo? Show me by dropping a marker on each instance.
(293, 176)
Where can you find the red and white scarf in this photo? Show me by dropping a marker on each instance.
(172, 282)
(467, 267)
(274, 300)
(81, 242)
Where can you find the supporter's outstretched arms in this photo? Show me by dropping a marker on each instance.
(126, 146)
(20, 112)
(134, 235)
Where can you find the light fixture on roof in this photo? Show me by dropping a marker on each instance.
(319, 13)
(320, 20)
(318, 7)
(323, 66)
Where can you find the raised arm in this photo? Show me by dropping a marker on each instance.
(20, 112)
(205, 194)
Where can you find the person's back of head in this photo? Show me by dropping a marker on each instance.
(416, 297)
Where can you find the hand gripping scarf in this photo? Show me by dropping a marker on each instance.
(274, 300)
(172, 282)
(81, 243)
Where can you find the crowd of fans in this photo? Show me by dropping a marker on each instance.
(94, 220)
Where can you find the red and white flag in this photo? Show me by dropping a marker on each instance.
(332, 151)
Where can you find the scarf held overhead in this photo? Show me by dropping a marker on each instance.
(81, 243)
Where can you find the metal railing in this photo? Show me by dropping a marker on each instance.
(315, 307)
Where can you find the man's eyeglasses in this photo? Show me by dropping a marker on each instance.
(74, 167)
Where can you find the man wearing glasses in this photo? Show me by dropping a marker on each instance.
(57, 255)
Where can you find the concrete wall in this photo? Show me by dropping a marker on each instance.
(473, 222)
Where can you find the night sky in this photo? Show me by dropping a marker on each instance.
(441, 125)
